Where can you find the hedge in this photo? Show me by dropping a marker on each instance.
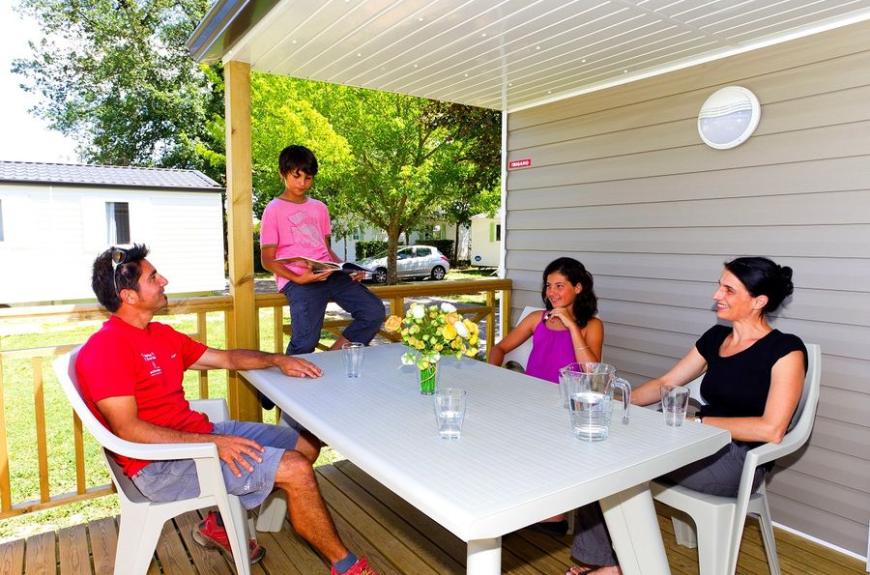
(444, 246)
(370, 249)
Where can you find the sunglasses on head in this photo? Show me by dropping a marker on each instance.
(119, 258)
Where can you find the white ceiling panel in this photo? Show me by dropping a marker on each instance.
(501, 54)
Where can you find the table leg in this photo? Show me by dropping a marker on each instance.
(484, 557)
(631, 519)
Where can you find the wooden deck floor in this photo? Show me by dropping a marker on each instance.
(397, 538)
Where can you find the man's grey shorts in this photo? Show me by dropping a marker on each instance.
(174, 480)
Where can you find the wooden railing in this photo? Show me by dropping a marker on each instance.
(88, 466)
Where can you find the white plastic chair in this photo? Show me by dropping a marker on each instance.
(521, 353)
(719, 520)
(141, 519)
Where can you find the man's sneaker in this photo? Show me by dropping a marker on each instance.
(361, 567)
(210, 534)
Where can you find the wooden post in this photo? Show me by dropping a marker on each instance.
(490, 320)
(506, 311)
(243, 402)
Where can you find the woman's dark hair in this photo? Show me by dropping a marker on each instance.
(762, 276)
(586, 303)
(107, 281)
(294, 158)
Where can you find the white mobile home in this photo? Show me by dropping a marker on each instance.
(603, 162)
(486, 240)
(55, 219)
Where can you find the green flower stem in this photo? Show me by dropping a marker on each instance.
(428, 379)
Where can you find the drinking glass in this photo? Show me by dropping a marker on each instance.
(675, 402)
(354, 353)
(450, 411)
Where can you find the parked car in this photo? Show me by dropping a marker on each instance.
(411, 262)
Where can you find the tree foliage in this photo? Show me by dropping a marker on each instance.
(116, 76)
(475, 173)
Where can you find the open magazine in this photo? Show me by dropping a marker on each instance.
(322, 266)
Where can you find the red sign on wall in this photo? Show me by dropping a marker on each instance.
(523, 163)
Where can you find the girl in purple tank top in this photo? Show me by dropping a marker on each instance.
(566, 332)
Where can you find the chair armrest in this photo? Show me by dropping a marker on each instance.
(771, 451)
(163, 451)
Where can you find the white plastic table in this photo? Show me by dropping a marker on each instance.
(516, 463)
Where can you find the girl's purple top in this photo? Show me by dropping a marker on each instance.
(551, 351)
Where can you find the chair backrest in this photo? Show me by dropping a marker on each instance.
(65, 369)
(805, 413)
(801, 424)
(521, 353)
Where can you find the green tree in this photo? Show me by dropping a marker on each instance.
(116, 76)
(474, 176)
(407, 163)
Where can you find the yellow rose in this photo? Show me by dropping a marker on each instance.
(449, 332)
(473, 329)
(414, 329)
(393, 323)
(456, 343)
(474, 339)
(470, 352)
(420, 345)
(453, 317)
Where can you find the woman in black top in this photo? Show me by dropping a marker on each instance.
(753, 378)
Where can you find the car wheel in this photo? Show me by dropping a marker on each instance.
(380, 276)
(438, 273)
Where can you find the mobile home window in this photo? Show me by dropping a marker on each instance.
(118, 222)
(1, 220)
(498, 232)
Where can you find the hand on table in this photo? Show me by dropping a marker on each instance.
(296, 366)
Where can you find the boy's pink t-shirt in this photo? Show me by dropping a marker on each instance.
(296, 230)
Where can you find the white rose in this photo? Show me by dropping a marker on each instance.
(408, 359)
(417, 311)
(461, 329)
(447, 307)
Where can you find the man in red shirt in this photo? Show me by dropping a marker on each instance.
(130, 374)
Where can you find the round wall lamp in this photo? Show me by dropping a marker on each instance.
(728, 117)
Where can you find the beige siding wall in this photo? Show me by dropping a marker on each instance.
(620, 180)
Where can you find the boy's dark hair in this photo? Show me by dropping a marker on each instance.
(294, 158)
(586, 303)
(107, 280)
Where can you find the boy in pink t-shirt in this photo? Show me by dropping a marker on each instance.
(295, 225)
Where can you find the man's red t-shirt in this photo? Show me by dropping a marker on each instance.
(148, 364)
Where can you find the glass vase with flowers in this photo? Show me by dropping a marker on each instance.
(432, 332)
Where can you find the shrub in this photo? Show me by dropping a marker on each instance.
(444, 246)
(370, 248)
